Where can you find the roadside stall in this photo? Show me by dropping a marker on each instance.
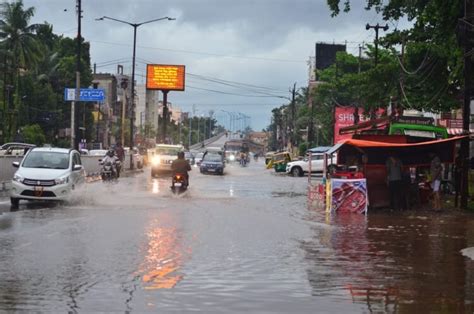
(361, 170)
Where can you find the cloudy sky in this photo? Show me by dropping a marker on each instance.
(262, 44)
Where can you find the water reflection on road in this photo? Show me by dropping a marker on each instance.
(242, 242)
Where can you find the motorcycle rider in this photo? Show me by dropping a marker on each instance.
(114, 160)
(181, 166)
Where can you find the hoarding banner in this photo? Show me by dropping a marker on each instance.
(344, 116)
(165, 77)
(348, 196)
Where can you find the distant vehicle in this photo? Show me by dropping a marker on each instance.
(47, 174)
(189, 157)
(198, 159)
(212, 163)
(97, 152)
(162, 157)
(215, 149)
(84, 151)
(15, 149)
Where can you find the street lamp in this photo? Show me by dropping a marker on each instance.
(132, 106)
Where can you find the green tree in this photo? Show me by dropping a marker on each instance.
(33, 134)
(18, 36)
(430, 72)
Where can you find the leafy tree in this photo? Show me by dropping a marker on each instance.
(18, 37)
(430, 71)
(33, 134)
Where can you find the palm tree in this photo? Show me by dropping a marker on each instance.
(18, 37)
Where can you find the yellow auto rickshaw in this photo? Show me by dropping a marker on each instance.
(268, 158)
(279, 161)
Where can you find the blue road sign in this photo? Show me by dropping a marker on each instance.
(87, 94)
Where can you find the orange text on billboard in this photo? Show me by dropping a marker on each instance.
(165, 77)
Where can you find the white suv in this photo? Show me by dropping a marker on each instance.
(300, 167)
(163, 156)
(47, 173)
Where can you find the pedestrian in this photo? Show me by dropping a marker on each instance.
(120, 152)
(435, 179)
(394, 181)
(457, 171)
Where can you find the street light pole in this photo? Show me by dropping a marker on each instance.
(132, 104)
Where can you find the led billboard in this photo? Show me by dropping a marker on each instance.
(165, 77)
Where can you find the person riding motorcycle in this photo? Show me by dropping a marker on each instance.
(181, 166)
(114, 160)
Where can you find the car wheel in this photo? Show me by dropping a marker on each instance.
(297, 172)
(15, 202)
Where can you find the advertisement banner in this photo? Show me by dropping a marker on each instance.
(348, 196)
(344, 116)
(165, 77)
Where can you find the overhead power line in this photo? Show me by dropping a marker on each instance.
(206, 53)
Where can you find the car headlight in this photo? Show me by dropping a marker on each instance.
(155, 161)
(62, 180)
(18, 178)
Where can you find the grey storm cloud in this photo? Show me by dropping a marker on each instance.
(260, 23)
(260, 42)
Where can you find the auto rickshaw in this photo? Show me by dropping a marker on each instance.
(279, 161)
(268, 158)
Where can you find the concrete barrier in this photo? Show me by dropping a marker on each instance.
(90, 163)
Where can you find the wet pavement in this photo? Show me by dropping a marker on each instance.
(242, 242)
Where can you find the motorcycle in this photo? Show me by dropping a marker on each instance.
(244, 160)
(109, 170)
(179, 183)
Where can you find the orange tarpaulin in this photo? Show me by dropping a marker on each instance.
(409, 153)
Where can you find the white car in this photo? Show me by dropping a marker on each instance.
(300, 167)
(162, 156)
(47, 173)
(98, 152)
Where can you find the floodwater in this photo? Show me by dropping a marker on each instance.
(242, 242)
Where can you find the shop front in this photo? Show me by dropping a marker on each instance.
(361, 170)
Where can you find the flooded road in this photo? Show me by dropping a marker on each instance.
(242, 242)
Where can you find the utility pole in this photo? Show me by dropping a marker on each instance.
(376, 28)
(190, 130)
(78, 75)
(466, 114)
(293, 116)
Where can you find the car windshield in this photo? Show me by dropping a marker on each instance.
(213, 157)
(167, 151)
(46, 160)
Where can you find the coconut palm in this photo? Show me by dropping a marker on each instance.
(18, 36)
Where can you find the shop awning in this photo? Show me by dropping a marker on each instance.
(458, 131)
(409, 153)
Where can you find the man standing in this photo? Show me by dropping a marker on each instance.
(435, 173)
(394, 180)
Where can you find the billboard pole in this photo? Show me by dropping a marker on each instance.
(165, 113)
